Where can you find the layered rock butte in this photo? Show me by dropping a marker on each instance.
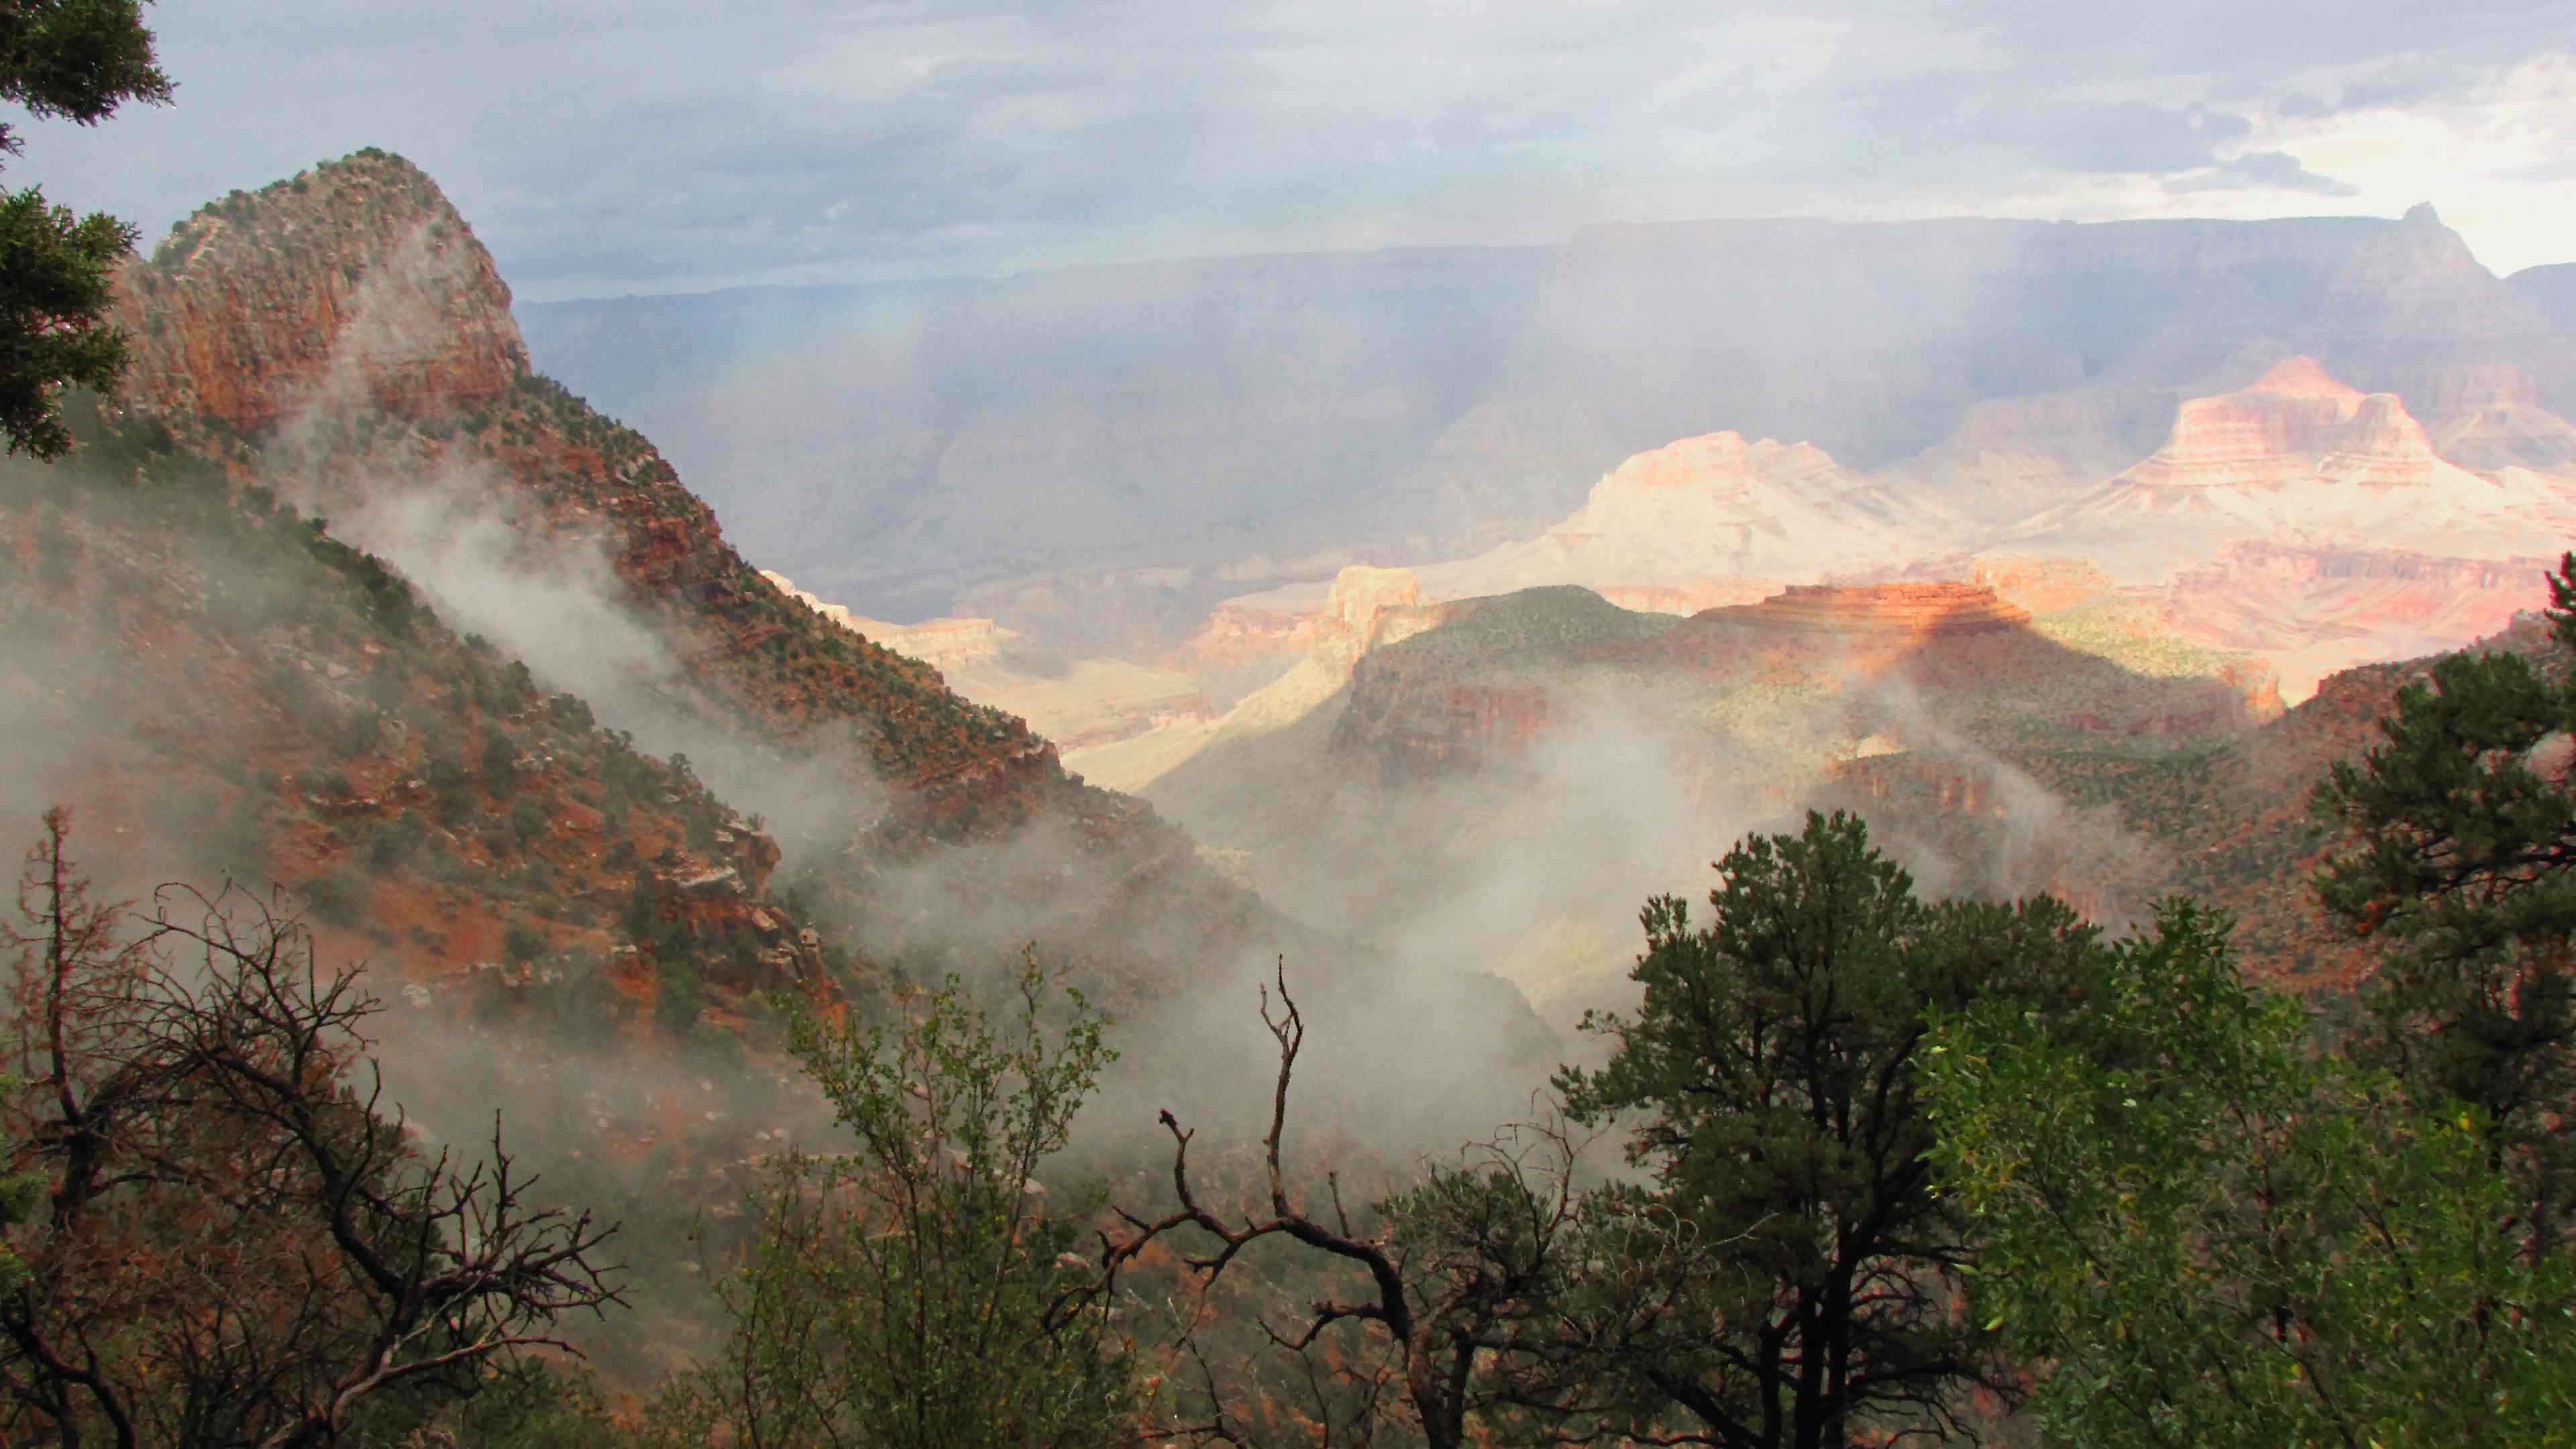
(2293, 423)
(2298, 457)
(1903, 611)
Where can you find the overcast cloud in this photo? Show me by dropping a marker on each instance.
(669, 145)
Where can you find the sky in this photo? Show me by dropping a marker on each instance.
(606, 148)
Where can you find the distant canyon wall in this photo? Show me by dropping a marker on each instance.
(1430, 404)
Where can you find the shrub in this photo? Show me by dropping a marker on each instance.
(523, 941)
(528, 820)
(338, 896)
(681, 997)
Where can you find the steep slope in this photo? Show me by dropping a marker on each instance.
(563, 928)
(225, 688)
(375, 375)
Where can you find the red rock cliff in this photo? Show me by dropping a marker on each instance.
(354, 276)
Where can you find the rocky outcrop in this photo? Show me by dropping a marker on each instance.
(355, 277)
(1903, 656)
(1255, 627)
(2277, 432)
(725, 899)
(1700, 509)
(1763, 695)
(1368, 606)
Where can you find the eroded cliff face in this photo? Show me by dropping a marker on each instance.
(1901, 613)
(1698, 523)
(356, 276)
(2313, 611)
(1368, 606)
(2293, 423)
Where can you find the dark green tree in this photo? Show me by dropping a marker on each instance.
(909, 1292)
(76, 60)
(1771, 1081)
(2198, 1231)
(2460, 834)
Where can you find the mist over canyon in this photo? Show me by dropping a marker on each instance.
(1115, 855)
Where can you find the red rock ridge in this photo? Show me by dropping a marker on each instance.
(355, 275)
(1909, 609)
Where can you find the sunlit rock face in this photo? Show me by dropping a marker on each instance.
(2292, 424)
(2300, 459)
(1698, 523)
(1518, 667)
(2313, 611)
(1691, 520)
(1886, 610)
(1367, 606)
(356, 275)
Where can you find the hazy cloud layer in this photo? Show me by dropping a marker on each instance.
(680, 144)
